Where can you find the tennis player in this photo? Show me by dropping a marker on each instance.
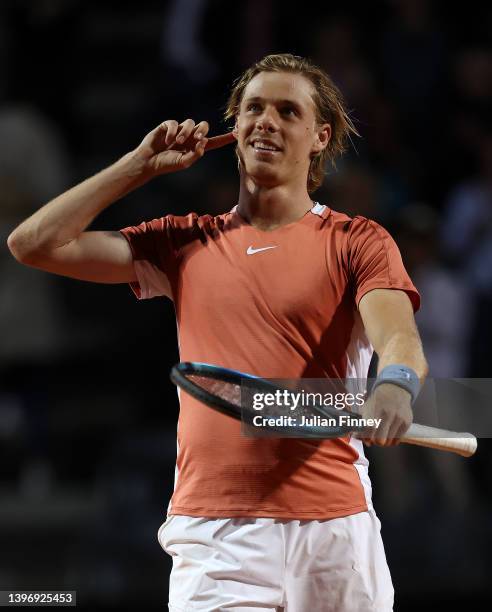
(281, 287)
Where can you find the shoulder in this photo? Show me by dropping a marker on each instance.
(195, 221)
(359, 241)
(357, 227)
(359, 222)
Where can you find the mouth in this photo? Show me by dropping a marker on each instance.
(265, 148)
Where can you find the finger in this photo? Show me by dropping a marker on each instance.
(380, 435)
(157, 135)
(185, 130)
(172, 129)
(200, 146)
(191, 157)
(398, 433)
(201, 130)
(393, 442)
(220, 141)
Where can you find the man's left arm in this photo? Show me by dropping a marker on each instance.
(390, 326)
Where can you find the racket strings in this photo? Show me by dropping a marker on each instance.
(244, 399)
(242, 396)
(228, 391)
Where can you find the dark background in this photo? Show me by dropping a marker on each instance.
(87, 413)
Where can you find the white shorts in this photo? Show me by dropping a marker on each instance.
(247, 564)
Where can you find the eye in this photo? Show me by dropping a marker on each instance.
(253, 106)
(290, 111)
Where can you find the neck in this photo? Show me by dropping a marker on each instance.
(271, 207)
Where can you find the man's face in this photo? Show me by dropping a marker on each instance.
(276, 129)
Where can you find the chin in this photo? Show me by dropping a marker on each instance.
(264, 178)
(261, 171)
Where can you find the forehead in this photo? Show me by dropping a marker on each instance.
(276, 86)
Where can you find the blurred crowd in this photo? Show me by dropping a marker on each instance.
(87, 414)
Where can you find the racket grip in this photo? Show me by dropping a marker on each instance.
(464, 444)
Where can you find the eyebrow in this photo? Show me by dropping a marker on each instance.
(280, 102)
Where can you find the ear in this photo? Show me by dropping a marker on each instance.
(235, 129)
(323, 137)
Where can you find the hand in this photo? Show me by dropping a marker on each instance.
(392, 404)
(172, 146)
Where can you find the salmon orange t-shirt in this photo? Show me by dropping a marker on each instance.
(277, 304)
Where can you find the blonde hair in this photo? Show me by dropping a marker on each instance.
(327, 98)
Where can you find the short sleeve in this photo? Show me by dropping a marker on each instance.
(375, 262)
(154, 257)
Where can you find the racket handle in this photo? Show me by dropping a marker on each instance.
(464, 444)
(220, 141)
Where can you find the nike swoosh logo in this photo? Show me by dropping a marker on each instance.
(252, 251)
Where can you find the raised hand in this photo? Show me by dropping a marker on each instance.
(174, 146)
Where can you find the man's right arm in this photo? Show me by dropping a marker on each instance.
(54, 237)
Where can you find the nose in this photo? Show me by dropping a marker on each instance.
(266, 121)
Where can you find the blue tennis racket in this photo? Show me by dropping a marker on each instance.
(231, 392)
